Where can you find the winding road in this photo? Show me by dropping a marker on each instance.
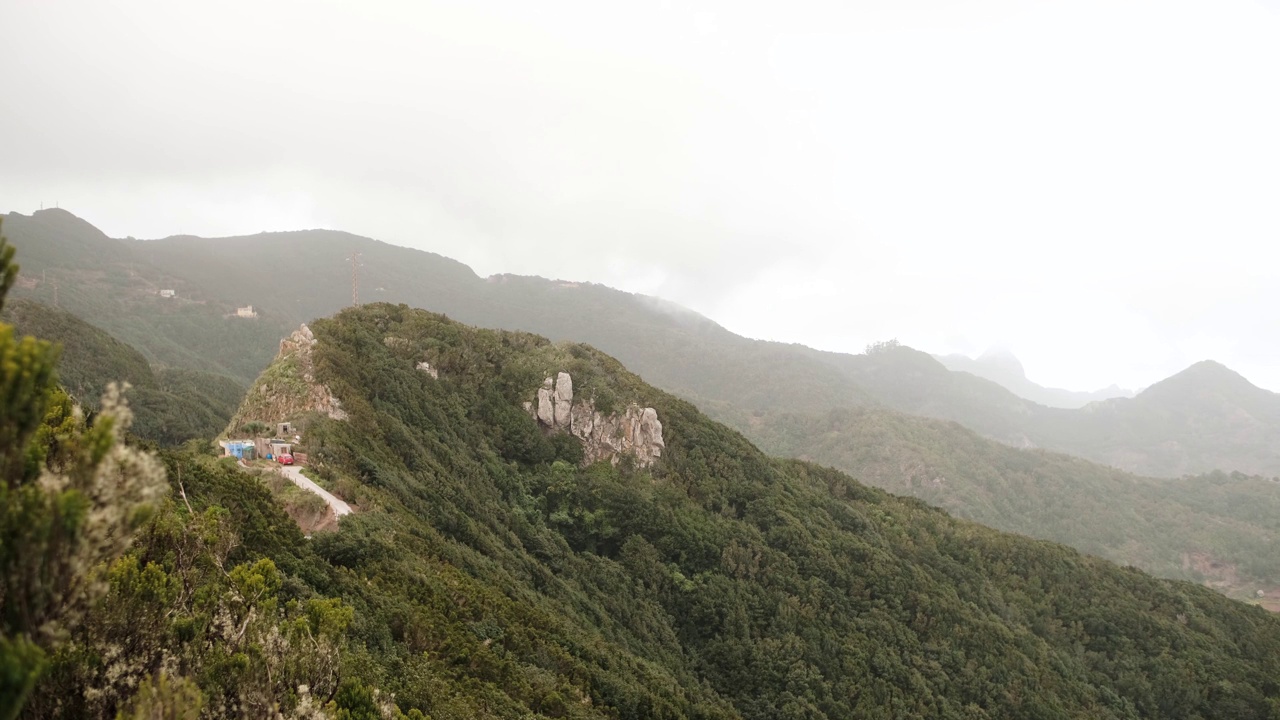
(294, 473)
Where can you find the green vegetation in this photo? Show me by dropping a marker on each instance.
(841, 410)
(90, 358)
(1155, 524)
(169, 406)
(211, 605)
(71, 496)
(1204, 418)
(69, 263)
(722, 583)
(489, 575)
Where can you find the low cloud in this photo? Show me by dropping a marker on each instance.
(1091, 183)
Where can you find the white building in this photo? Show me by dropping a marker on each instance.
(246, 312)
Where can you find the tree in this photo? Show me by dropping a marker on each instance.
(882, 346)
(71, 496)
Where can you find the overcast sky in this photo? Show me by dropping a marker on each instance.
(1094, 184)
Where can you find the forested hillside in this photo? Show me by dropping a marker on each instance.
(1204, 418)
(792, 401)
(293, 277)
(71, 264)
(1216, 529)
(170, 405)
(488, 573)
(785, 589)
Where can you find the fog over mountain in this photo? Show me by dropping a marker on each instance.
(1001, 366)
(827, 173)
(573, 360)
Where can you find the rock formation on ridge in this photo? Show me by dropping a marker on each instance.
(636, 431)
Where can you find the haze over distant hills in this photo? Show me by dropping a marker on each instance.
(293, 277)
(1204, 418)
(170, 405)
(490, 570)
(845, 410)
(1003, 368)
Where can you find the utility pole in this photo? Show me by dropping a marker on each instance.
(355, 277)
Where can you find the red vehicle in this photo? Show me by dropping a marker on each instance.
(284, 459)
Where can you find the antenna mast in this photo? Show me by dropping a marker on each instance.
(355, 277)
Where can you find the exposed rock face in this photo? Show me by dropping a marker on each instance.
(563, 400)
(319, 397)
(546, 405)
(288, 388)
(636, 431)
(425, 367)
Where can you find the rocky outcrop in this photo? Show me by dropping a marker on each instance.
(546, 404)
(288, 388)
(318, 396)
(563, 399)
(635, 432)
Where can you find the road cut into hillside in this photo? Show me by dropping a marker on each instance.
(294, 473)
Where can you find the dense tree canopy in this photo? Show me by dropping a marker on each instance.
(487, 573)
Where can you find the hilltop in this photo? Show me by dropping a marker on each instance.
(1203, 419)
(1205, 416)
(539, 533)
(843, 410)
(295, 276)
(174, 322)
(494, 571)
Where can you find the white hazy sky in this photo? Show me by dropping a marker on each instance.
(1094, 184)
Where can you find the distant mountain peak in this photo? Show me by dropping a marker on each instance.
(54, 212)
(1210, 366)
(1004, 359)
(1209, 388)
(999, 365)
(1206, 374)
(69, 222)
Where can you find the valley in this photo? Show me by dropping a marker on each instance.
(639, 361)
(496, 569)
(895, 418)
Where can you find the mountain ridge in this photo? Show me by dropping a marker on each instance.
(491, 570)
(1003, 367)
(766, 390)
(170, 405)
(715, 529)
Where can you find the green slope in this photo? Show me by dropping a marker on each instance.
(170, 405)
(1204, 418)
(1214, 422)
(779, 395)
(105, 282)
(1211, 422)
(1163, 526)
(486, 574)
(305, 274)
